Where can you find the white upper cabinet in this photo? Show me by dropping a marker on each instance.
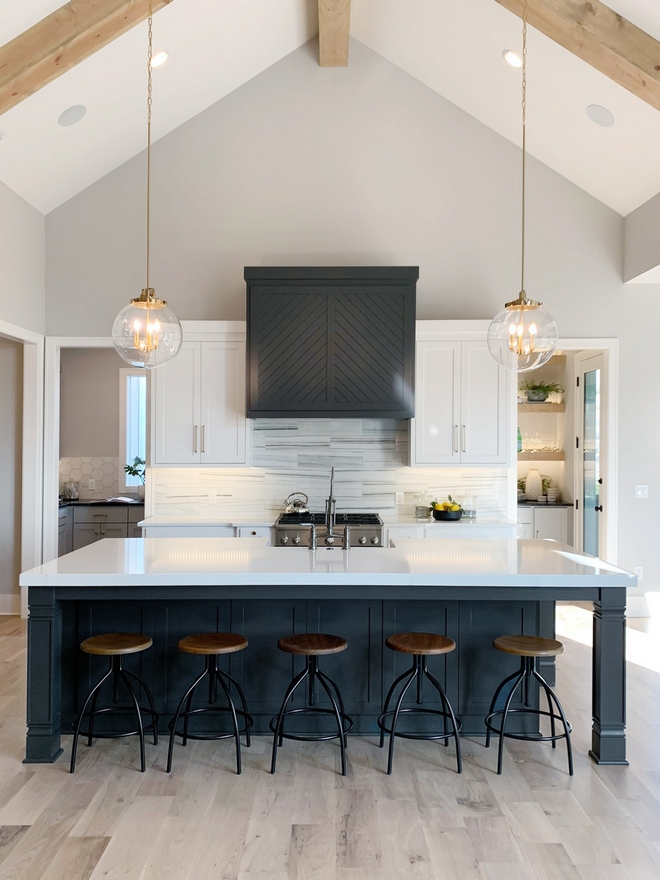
(462, 402)
(198, 402)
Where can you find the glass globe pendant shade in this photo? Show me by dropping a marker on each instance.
(523, 336)
(146, 333)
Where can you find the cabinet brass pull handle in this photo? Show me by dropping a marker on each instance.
(463, 434)
(203, 438)
(455, 438)
(194, 438)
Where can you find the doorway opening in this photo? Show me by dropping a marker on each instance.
(11, 465)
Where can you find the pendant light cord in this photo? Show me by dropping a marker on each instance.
(524, 141)
(149, 103)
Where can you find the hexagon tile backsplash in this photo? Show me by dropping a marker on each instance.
(104, 472)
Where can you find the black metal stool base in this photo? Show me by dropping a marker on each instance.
(216, 676)
(344, 722)
(522, 679)
(118, 674)
(416, 673)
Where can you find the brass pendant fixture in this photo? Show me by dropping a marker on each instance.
(146, 333)
(523, 336)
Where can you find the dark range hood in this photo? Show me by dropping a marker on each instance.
(331, 341)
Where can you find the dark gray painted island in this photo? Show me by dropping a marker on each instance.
(470, 590)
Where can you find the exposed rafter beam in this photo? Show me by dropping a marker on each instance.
(334, 27)
(602, 38)
(61, 40)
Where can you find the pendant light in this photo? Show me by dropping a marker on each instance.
(146, 333)
(523, 336)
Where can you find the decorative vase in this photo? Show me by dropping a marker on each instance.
(140, 491)
(536, 396)
(533, 485)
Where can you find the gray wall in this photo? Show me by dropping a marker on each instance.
(11, 414)
(642, 240)
(363, 165)
(22, 258)
(89, 402)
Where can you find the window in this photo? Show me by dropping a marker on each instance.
(132, 423)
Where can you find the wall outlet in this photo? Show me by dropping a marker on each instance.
(639, 572)
(641, 491)
(399, 497)
(91, 485)
(213, 497)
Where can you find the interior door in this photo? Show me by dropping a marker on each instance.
(590, 453)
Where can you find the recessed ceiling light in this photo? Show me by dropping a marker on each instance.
(512, 58)
(600, 115)
(159, 58)
(72, 115)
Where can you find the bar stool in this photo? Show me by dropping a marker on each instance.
(528, 648)
(116, 646)
(312, 646)
(421, 645)
(211, 646)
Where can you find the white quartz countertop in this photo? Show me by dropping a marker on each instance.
(137, 562)
(390, 521)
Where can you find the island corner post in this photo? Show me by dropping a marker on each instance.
(54, 608)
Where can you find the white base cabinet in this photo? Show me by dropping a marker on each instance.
(544, 523)
(198, 400)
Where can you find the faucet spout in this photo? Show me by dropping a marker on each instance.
(330, 507)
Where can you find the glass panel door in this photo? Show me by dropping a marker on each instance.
(591, 469)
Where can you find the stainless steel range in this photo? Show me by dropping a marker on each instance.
(295, 530)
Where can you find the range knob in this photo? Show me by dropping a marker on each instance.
(330, 539)
(296, 539)
(362, 539)
(374, 540)
(284, 539)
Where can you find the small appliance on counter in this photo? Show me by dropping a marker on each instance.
(71, 491)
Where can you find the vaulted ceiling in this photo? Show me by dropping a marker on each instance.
(452, 46)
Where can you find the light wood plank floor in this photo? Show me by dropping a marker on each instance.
(109, 821)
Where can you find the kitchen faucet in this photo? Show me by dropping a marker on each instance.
(330, 507)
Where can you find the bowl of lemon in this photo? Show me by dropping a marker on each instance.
(447, 511)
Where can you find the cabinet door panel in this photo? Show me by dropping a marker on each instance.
(436, 404)
(222, 439)
(483, 407)
(85, 534)
(115, 530)
(176, 409)
(551, 524)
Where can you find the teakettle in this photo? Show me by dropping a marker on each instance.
(297, 505)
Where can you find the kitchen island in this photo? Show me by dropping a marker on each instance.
(471, 590)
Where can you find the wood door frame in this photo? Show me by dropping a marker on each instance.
(31, 443)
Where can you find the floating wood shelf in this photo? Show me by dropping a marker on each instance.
(542, 407)
(541, 456)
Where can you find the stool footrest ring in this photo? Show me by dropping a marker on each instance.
(414, 710)
(527, 737)
(208, 710)
(346, 722)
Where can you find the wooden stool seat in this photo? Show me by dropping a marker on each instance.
(528, 646)
(420, 643)
(213, 643)
(312, 644)
(113, 644)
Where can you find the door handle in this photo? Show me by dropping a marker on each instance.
(463, 435)
(599, 508)
(203, 438)
(194, 438)
(455, 438)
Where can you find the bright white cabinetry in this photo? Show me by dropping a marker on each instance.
(543, 522)
(392, 533)
(198, 403)
(462, 404)
(195, 531)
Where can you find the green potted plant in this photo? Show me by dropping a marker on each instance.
(537, 392)
(136, 469)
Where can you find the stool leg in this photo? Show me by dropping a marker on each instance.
(234, 718)
(177, 715)
(395, 717)
(550, 693)
(389, 697)
(330, 681)
(136, 704)
(340, 720)
(243, 703)
(76, 731)
(152, 705)
(191, 694)
(446, 707)
(505, 712)
(280, 718)
(493, 702)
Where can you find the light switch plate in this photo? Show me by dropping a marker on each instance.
(641, 491)
(91, 485)
(213, 497)
(399, 497)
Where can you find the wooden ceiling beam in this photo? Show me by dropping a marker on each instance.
(334, 28)
(61, 40)
(602, 38)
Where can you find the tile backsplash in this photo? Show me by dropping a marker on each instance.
(104, 471)
(370, 458)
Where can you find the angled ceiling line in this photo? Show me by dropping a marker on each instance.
(61, 40)
(601, 37)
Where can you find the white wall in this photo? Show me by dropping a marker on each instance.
(363, 165)
(22, 258)
(11, 413)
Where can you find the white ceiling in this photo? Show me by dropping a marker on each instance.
(452, 46)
